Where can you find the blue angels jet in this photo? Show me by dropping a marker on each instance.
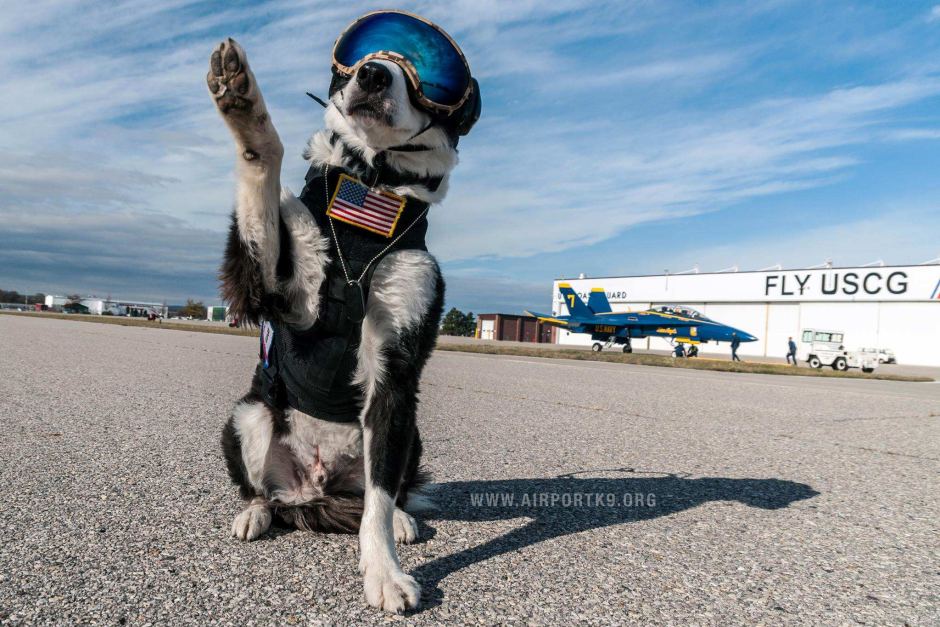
(607, 328)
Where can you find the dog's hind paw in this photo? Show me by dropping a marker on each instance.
(391, 590)
(406, 529)
(230, 80)
(253, 521)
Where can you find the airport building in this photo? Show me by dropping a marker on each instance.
(513, 328)
(884, 307)
(108, 306)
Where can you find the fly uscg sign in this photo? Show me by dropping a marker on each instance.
(872, 284)
(809, 285)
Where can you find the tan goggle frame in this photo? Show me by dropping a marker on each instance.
(407, 67)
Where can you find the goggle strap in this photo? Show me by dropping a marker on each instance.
(318, 99)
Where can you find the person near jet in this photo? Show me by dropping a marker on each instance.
(735, 343)
(791, 352)
(679, 350)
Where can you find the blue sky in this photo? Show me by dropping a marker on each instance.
(617, 138)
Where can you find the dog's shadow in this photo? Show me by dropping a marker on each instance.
(572, 503)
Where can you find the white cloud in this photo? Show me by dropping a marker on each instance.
(912, 134)
(660, 167)
(934, 14)
(105, 113)
(857, 242)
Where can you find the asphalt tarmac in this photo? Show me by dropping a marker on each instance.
(570, 492)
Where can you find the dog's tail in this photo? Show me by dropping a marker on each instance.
(333, 513)
(416, 496)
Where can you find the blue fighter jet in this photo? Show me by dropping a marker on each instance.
(607, 328)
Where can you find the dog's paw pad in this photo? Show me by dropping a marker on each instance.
(392, 591)
(251, 523)
(231, 62)
(229, 78)
(406, 529)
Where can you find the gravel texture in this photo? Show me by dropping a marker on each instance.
(640, 495)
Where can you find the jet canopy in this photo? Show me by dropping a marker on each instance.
(682, 310)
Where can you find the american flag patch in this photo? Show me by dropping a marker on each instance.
(373, 210)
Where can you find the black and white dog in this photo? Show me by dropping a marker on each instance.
(336, 450)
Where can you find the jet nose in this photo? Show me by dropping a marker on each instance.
(746, 337)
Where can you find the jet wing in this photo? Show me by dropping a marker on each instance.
(550, 319)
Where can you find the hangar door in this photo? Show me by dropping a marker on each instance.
(783, 322)
(486, 329)
(857, 321)
(530, 329)
(749, 317)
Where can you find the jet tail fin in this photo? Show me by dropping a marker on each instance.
(598, 302)
(573, 302)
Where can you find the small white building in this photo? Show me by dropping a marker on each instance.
(217, 313)
(892, 307)
(96, 306)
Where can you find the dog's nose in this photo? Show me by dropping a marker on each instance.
(373, 77)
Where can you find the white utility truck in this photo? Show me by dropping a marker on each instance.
(883, 355)
(821, 348)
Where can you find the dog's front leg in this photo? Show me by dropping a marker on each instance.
(259, 154)
(398, 333)
(386, 585)
(254, 520)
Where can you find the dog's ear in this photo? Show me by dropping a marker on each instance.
(468, 114)
(459, 123)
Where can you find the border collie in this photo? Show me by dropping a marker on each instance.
(329, 442)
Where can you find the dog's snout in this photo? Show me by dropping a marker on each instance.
(373, 77)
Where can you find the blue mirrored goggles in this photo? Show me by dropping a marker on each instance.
(432, 61)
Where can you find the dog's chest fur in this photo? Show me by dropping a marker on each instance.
(312, 369)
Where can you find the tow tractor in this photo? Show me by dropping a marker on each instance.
(820, 348)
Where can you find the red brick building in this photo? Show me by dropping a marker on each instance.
(513, 328)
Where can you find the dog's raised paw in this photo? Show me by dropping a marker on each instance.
(229, 79)
(391, 590)
(251, 523)
(406, 529)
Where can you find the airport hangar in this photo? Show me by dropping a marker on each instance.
(888, 307)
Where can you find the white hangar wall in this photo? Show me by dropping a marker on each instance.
(895, 307)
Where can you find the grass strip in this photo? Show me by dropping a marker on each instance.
(639, 359)
(697, 363)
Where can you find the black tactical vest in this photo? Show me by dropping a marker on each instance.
(312, 370)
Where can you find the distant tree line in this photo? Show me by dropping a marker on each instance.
(193, 308)
(457, 322)
(12, 296)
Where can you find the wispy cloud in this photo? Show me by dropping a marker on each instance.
(661, 167)
(598, 116)
(130, 253)
(851, 243)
